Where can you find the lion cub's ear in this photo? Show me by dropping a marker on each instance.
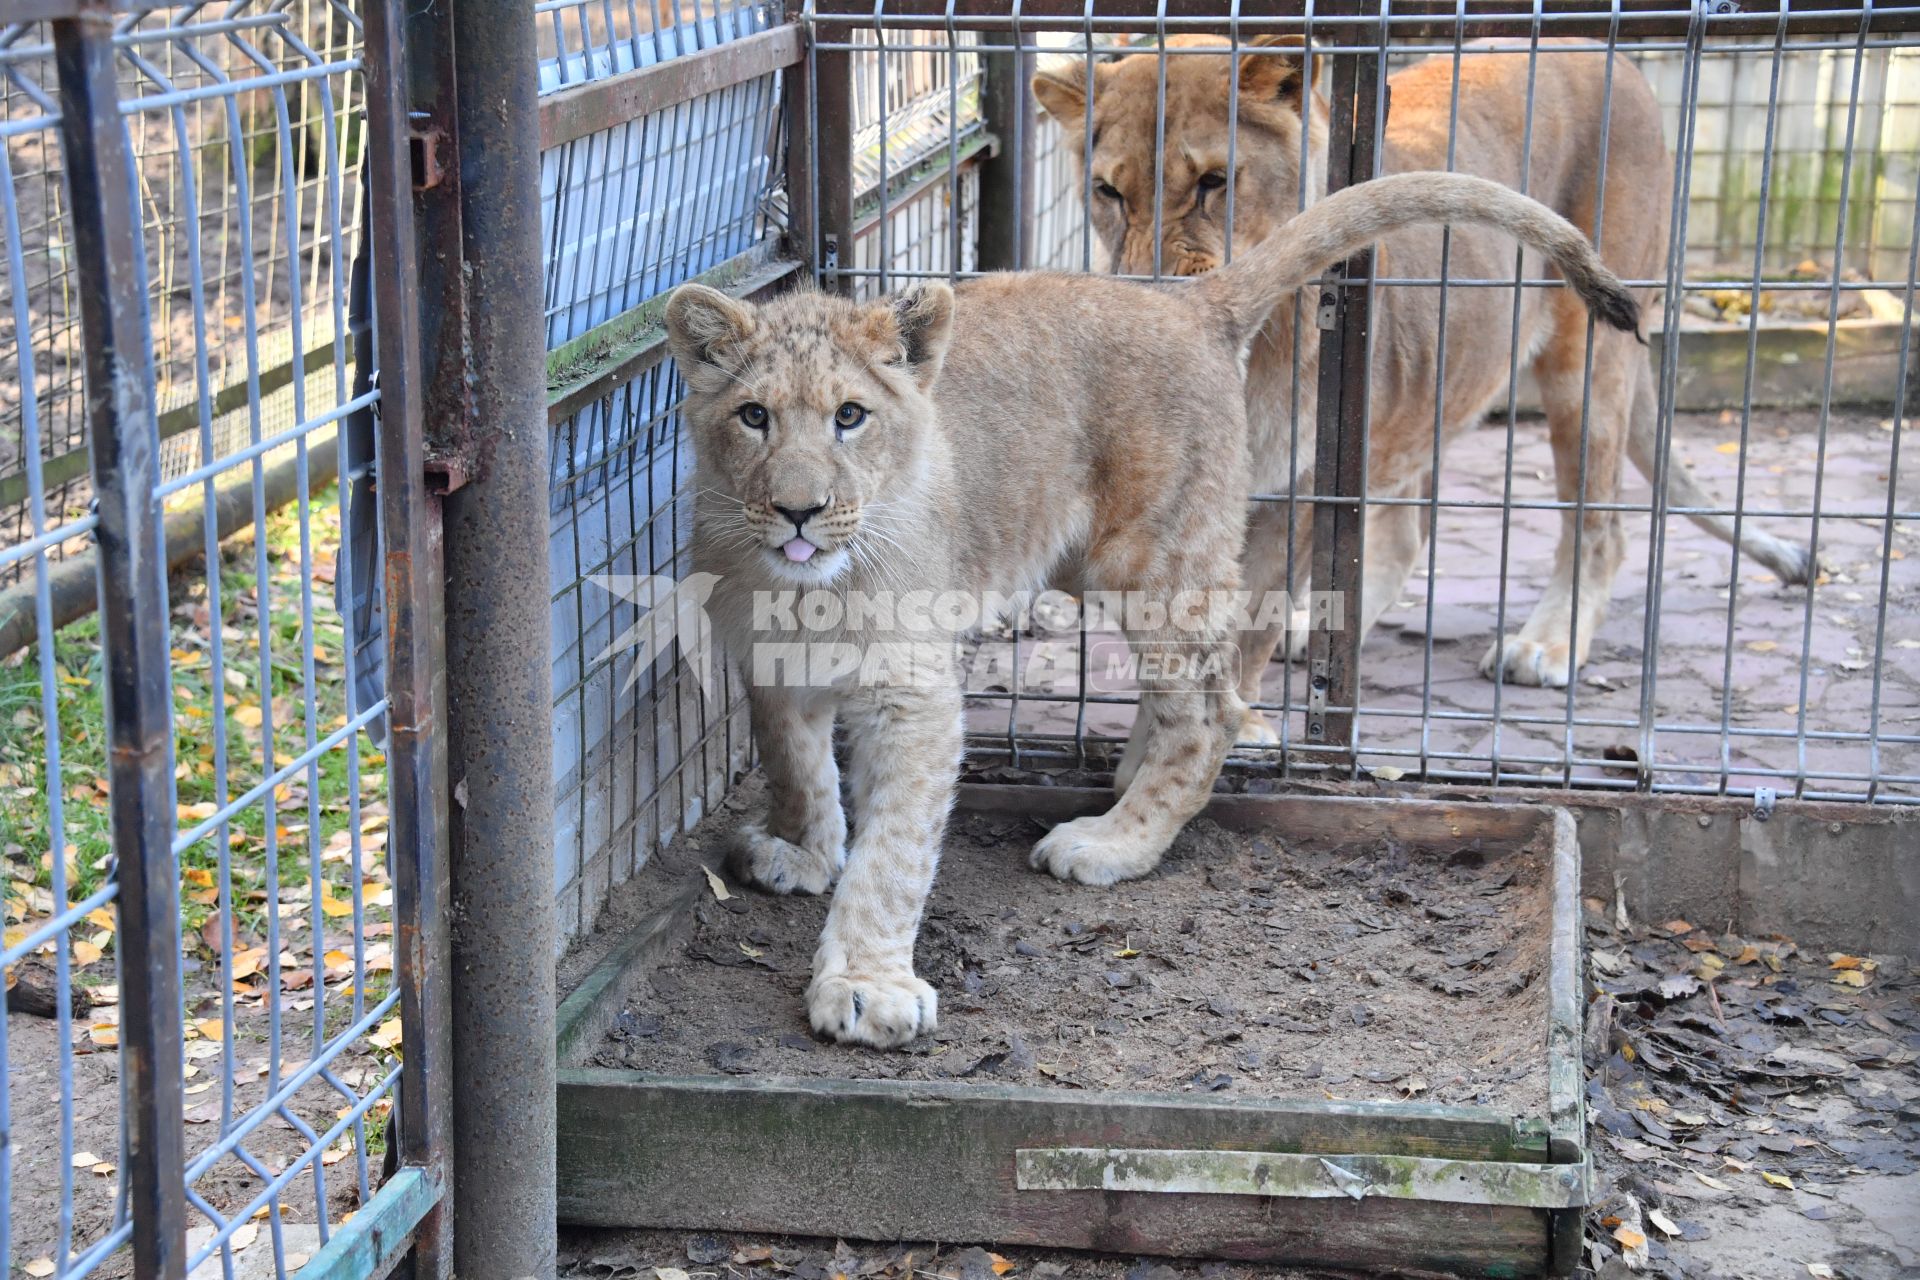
(1272, 77)
(702, 324)
(1061, 91)
(923, 318)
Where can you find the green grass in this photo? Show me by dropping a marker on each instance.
(310, 810)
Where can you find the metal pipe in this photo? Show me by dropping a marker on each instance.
(498, 672)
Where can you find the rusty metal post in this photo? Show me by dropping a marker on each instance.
(1340, 445)
(499, 669)
(1006, 179)
(109, 268)
(820, 154)
(415, 656)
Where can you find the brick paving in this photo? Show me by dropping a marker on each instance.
(1799, 667)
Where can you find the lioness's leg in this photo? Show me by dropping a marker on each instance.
(905, 754)
(1264, 567)
(801, 843)
(1395, 537)
(1550, 647)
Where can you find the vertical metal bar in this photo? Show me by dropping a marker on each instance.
(133, 620)
(499, 672)
(823, 142)
(1340, 445)
(1006, 200)
(415, 660)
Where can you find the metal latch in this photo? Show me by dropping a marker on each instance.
(1299, 1176)
(1763, 800)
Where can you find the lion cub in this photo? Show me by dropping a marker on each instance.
(857, 463)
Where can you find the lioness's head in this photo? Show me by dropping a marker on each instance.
(1193, 211)
(809, 413)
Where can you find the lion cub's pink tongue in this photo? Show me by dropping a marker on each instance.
(799, 550)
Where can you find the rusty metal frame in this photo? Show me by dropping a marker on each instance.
(133, 623)
(1443, 19)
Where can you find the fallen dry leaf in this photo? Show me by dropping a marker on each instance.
(387, 1036)
(1776, 1180)
(716, 884)
(39, 1267)
(1628, 1237)
(1711, 1181)
(1662, 1222)
(244, 1235)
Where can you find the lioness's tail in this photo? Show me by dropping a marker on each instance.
(1349, 220)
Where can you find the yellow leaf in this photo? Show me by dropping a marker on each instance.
(39, 1267)
(198, 812)
(1711, 1181)
(1851, 978)
(1628, 1237)
(104, 1034)
(1000, 1265)
(1762, 646)
(247, 963)
(103, 1169)
(1841, 960)
(387, 1036)
(331, 905)
(716, 884)
(211, 1028)
(1125, 953)
(84, 952)
(249, 716)
(244, 1234)
(750, 952)
(1776, 1179)
(83, 1159)
(1730, 446)
(199, 876)
(1663, 1223)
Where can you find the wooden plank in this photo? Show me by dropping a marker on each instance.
(886, 1160)
(1312, 820)
(570, 114)
(615, 352)
(1291, 1175)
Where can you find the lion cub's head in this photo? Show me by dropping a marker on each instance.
(1193, 213)
(810, 415)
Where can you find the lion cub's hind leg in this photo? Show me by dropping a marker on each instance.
(1264, 571)
(800, 846)
(1189, 716)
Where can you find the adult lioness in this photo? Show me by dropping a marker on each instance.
(1571, 105)
(974, 442)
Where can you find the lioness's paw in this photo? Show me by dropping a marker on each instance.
(782, 866)
(1254, 729)
(1523, 661)
(1088, 850)
(884, 1009)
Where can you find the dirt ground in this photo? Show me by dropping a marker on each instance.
(1754, 1108)
(1243, 965)
(1776, 630)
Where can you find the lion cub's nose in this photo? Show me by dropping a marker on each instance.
(799, 515)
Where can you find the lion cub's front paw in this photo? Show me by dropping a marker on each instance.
(1524, 661)
(781, 866)
(1090, 851)
(885, 1008)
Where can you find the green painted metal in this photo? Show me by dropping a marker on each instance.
(1311, 1177)
(367, 1246)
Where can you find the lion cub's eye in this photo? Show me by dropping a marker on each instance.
(1212, 180)
(848, 416)
(1108, 190)
(754, 415)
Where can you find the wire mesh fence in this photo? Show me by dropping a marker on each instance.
(1709, 669)
(212, 161)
